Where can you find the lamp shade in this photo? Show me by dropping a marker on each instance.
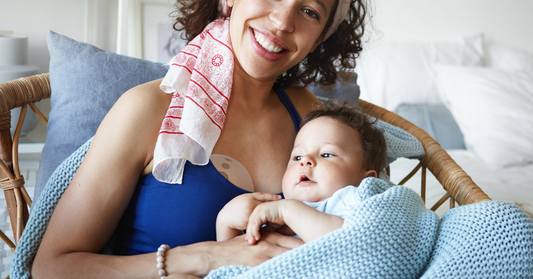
(13, 65)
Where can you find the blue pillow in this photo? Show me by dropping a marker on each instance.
(86, 81)
(436, 120)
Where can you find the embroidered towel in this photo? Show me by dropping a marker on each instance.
(200, 78)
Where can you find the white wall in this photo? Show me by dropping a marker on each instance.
(503, 21)
(33, 18)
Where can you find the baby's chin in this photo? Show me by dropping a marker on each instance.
(305, 198)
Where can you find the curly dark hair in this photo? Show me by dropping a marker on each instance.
(332, 58)
(372, 138)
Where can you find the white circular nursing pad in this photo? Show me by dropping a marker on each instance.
(233, 171)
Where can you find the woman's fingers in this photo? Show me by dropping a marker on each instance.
(283, 241)
(238, 252)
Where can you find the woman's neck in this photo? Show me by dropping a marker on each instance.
(250, 92)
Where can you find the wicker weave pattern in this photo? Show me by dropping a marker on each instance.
(22, 92)
(452, 177)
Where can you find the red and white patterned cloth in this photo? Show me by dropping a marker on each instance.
(200, 78)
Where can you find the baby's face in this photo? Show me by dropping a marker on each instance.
(326, 157)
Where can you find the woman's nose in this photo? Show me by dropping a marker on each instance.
(307, 161)
(283, 16)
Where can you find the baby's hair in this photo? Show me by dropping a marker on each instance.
(372, 138)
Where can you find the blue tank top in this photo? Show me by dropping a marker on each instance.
(179, 214)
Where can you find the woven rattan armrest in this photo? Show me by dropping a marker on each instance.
(21, 93)
(455, 181)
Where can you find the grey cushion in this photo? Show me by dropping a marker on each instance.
(86, 81)
(436, 120)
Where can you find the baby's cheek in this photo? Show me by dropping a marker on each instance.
(286, 184)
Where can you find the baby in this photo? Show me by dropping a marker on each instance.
(336, 147)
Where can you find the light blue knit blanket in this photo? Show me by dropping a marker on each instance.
(390, 235)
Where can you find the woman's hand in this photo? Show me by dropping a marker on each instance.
(233, 218)
(207, 256)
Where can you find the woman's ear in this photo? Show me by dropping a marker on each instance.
(371, 173)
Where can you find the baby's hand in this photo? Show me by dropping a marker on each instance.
(264, 213)
(235, 214)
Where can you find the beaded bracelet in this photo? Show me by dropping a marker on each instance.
(161, 260)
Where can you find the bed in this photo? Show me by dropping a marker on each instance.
(473, 96)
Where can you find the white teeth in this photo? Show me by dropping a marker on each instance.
(261, 40)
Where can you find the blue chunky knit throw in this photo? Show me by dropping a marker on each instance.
(389, 235)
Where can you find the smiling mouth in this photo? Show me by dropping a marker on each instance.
(266, 44)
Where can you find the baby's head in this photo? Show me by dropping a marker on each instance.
(336, 146)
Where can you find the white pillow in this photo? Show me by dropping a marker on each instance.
(395, 72)
(494, 110)
(508, 58)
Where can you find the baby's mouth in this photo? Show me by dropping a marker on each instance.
(268, 46)
(304, 178)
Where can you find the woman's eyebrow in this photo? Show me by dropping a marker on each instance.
(321, 4)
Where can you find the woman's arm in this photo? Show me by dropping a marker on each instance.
(91, 207)
(93, 204)
(307, 222)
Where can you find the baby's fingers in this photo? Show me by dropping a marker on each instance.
(252, 231)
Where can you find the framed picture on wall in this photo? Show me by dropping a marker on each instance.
(152, 36)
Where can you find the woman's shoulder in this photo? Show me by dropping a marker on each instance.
(303, 100)
(139, 110)
(147, 95)
(133, 122)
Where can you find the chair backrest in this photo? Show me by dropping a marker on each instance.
(458, 185)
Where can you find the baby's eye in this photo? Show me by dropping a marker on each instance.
(297, 158)
(326, 155)
(311, 13)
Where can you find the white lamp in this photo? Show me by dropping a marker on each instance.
(13, 65)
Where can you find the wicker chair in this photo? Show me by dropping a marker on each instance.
(26, 91)
(22, 93)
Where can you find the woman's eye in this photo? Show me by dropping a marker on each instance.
(327, 155)
(311, 13)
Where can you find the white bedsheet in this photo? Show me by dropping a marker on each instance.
(511, 184)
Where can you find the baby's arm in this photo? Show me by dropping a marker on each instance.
(233, 218)
(307, 222)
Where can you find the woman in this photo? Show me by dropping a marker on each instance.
(276, 44)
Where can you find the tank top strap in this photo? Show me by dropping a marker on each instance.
(284, 98)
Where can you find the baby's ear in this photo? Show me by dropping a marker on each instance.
(371, 173)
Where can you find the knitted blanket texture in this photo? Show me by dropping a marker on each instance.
(389, 235)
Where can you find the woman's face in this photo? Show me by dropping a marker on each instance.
(271, 36)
